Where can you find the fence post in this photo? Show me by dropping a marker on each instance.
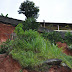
(58, 27)
(44, 23)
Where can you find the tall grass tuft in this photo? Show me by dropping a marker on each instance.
(31, 50)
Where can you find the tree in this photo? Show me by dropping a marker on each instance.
(30, 23)
(29, 9)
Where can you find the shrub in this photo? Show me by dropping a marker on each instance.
(4, 47)
(53, 37)
(53, 52)
(30, 49)
(2, 50)
(19, 29)
(70, 47)
(68, 38)
(30, 23)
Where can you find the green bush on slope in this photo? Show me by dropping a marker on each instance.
(68, 38)
(30, 49)
(53, 37)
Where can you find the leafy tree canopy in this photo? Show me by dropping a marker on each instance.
(29, 9)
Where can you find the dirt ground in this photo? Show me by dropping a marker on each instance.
(7, 64)
(64, 48)
(5, 31)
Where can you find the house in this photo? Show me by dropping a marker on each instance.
(7, 26)
(56, 26)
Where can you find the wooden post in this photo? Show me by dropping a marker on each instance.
(12, 36)
(41, 25)
(58, 27)
(44, 23)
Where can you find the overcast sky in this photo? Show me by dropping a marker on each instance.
(50, 10)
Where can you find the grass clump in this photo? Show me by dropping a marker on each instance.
(4, 47)
(68, 38)
(31, 50)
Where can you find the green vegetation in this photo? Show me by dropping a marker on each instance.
(2, 51)
(4, 47)
(29, 9)
(21, 70)
(68, 38)
(31, 49)
(30, 23)
(70, 47)
(67, 26)
(3, 15)
(53, 37)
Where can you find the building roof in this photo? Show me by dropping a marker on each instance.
(15, 22)
(55, 23)
(11, 21)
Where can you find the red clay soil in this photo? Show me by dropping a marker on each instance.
(9, 65)
(5, 31)
(64, 48)
(59, 69)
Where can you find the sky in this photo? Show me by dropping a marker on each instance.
(50, 10)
